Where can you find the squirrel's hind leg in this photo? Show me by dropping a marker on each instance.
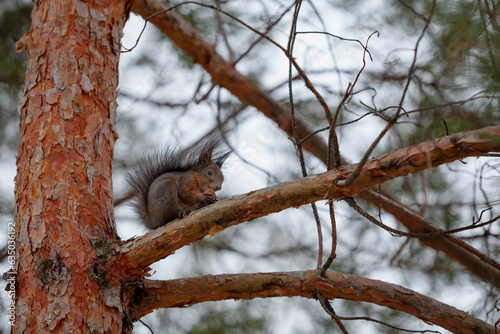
(163, 204)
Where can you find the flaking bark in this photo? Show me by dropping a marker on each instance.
(64, 204)
(307, 284)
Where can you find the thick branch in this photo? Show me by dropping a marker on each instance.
(188, 291)
(186, 38)
(212, 219)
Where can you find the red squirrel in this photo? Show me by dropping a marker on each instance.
(172, 183)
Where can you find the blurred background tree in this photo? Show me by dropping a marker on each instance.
(165, 99)
(14, 22)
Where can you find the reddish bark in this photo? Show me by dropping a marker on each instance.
(307, 284)
(64, 208)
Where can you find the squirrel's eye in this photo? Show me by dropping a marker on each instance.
(210, 173)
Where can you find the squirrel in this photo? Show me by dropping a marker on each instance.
(172, 183)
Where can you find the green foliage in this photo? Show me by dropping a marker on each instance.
(14, 23)
(217, 318)
(237, 321)
(471, 40)
(464, 62)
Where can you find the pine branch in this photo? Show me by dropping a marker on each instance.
(188, 291)
(213, 219)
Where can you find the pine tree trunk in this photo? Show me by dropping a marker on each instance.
(64, 211)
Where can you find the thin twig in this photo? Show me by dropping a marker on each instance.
(220, 26)
(298, 144)
(414, 11)
(338, 37)
(329, 309)
(266, 31)
(147, 326)
(447, 234)
(356, 207)
(333, 251)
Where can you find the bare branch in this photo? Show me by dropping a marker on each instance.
(438, 233)
(425, 19)
(455, 248)
(188, 291)
(296, 138)
(338, 37)
(325, 303)
(393, 121)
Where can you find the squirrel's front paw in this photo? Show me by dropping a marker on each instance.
(210, 196)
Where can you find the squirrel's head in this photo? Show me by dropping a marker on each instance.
(210, 177)
(209, 170)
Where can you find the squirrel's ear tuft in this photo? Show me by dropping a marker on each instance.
(209, 151)
(205, 158)
(220, 159)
